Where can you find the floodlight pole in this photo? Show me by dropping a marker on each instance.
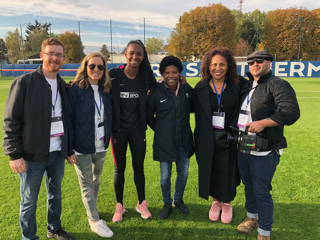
(111, 40)
(258, 34)
(144, 31)
(300, 37)
(180, 40)
(24, 62)
(79, 40)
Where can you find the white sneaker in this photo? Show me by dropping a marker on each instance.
(101, 229)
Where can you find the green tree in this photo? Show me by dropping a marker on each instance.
(105, 53)
(3, 51)
(247, 24)
(13, 42)
(72, 44)
(154, 44)
(37, 26)
(202, 29)
(246, 30)
(32, 48)
(55, 35)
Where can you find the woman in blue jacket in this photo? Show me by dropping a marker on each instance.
(90, 114)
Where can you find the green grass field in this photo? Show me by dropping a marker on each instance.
(295, 190)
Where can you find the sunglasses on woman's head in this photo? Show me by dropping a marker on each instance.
(93, 66)
(258, 60)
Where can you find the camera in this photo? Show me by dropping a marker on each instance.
(247, 143)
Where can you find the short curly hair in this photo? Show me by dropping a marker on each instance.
(168, 61)
(232, 72)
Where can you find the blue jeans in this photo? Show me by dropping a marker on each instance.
(182, 166)
(30, 182)
(89, 169)
(256, 174)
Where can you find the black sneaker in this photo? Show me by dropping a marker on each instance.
(182, 208)
(60, 234)
(165, 212)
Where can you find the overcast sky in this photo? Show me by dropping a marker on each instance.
(127, 16)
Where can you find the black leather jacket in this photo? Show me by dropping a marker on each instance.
(273, 98)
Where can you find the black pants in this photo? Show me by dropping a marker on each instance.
(119, 144)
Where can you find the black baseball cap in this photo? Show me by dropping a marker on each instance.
(260, 54)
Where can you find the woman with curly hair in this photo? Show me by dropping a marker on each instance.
(90, 114)
(130, 84)
(216, 101)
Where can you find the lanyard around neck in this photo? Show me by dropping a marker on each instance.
(99, 109)
(54, 106)
(218, 97)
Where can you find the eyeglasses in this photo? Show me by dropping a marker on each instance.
(51, 54)
(258, 60)
(93, 66)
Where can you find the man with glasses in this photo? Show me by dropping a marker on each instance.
(268, 103)
(36, 139)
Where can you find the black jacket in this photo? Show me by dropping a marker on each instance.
(27, 118)
(81, 118)
(273, 98)
(115, 75)
(204, 137)
(163, 124)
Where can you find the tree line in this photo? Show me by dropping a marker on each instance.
(217, 26)
(282, 32)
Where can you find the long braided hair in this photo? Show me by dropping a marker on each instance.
(148, 79)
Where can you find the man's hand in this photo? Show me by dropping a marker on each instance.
(69, 84)
(258, 126)
(255, 127)
(18, 166)
(72, 160)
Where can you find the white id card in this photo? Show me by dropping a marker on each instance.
(218, 120)
(100, 131)
(243, 118)
(56, 127)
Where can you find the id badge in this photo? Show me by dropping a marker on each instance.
(56, 127)
(243, 118)
(101, 131)
(218, 120)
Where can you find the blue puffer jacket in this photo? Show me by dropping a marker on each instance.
(81, 116)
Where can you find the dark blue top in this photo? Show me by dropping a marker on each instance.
(81, 116)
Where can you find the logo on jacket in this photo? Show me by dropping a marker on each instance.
(162, 100)
(187, 95)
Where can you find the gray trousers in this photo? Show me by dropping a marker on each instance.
(89, 168)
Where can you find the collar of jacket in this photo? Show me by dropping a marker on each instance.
(202, 90)
(262, 79)
(162, 86)
(43, 78)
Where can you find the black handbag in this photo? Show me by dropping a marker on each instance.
(220, 139)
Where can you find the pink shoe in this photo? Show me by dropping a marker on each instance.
(214, 212)
(226, 214)
(143, 210)
(117, 217)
